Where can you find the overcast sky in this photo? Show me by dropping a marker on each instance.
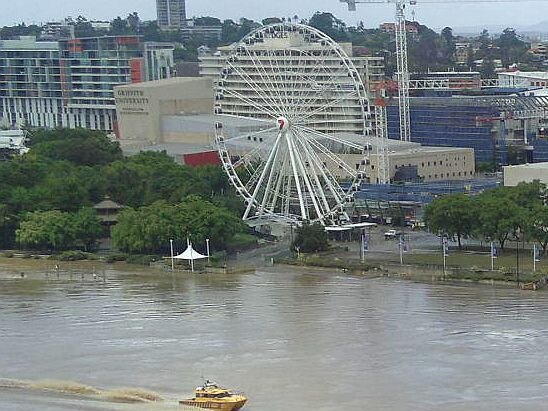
(518, 13)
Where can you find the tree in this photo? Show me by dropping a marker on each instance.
(453, 215)
(134, 22)
(149, 228)
(498, 216)
(246, 26)
(46, 229)
(310, 238)
(537, 225)
(330, 25)
(83, 28)
(8, 223)
(512, 49)
(449, 44)
(10, 32)
(271, 20)
(229, 33)
(59, 230)
(206, 220)
(79, 146)
(487, 69)
(207, 21)
(87, 227)
(119, 26)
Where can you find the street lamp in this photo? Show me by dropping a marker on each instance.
(518, 234)
(172, 261)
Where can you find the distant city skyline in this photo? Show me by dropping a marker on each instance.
(434, 15)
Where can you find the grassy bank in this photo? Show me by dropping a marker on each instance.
(460, 266)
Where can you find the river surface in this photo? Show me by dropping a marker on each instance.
(298, 340)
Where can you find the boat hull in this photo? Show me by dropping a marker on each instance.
(212, 405)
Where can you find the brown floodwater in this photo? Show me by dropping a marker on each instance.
(290, 339)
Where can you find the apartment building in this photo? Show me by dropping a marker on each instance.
(70, 83)
(371, 69)
(523, 79)
(171, 14)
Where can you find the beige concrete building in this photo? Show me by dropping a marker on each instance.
(412, 159)
(143, 110)
(525, 173)
(371, 68)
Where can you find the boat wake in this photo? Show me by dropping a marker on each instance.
(123, 395)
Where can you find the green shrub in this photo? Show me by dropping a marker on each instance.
(76, 255)
(113, 257)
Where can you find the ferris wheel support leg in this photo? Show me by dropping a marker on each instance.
(319, 213)
(261, 178)
(304, 214)
(314, 162)
(328, 177)
(269, 182)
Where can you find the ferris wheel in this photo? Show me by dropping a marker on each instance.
(291, 115)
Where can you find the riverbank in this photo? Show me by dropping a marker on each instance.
(421, 267)
(417, 267)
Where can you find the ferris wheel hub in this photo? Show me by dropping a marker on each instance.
(283, 123)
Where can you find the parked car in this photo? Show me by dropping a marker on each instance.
(392, 234)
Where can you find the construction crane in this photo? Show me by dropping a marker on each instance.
(383, 92)
(401, 57)
(401, 48)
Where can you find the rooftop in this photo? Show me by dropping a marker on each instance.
(536, 74)
(28, 43)
(539, 166)
(159, 83)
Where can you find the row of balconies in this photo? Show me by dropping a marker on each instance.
(346, 116)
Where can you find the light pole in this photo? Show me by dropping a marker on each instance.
(518, 233)
(535, 257)
(401, 249)
(207, 248)
(493, 255)
(445, 251)
(172, 261)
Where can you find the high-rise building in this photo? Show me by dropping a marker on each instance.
(70, 83)
(171, 14)
(30, 83)
(371, 70)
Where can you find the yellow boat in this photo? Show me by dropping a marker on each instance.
(212, 396)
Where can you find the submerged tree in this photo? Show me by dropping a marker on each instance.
(310, 238)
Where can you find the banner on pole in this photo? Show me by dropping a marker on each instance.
(445, 247)
(536, 253)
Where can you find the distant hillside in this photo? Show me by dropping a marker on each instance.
(541, 27)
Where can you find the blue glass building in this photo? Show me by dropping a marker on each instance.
(450, 126)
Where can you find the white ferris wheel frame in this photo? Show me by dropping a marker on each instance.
(291, 182)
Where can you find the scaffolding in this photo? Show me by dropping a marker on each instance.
(460, 122)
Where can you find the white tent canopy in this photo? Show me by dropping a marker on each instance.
(190, 254)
